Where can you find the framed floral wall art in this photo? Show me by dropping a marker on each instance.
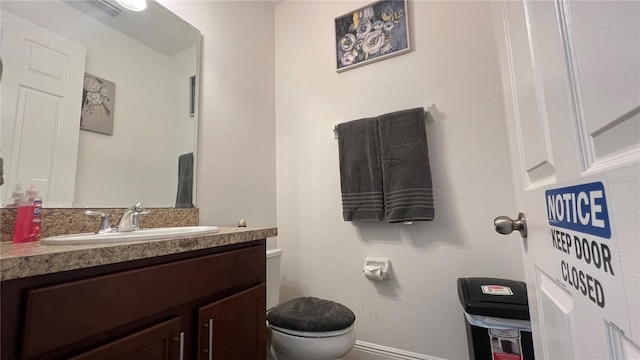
(98, 97)
(374, 32)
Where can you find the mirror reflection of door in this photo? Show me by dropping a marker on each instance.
(40, 112)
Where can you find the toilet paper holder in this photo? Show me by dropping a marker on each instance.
(376, 268)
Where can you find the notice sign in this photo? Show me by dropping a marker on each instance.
(582, 237)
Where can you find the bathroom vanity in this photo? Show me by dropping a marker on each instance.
(188, 298)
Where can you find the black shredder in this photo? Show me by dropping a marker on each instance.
(496, 318)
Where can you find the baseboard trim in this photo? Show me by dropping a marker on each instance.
(364, 350)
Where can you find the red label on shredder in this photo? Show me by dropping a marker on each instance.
(496, 290)
(505, 344)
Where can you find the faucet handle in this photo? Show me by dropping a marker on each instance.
(139, 207)
(134, 218)
(105, 226)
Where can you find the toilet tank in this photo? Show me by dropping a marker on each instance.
(273, 277)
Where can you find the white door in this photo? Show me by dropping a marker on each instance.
(41, 102)
(571, 77)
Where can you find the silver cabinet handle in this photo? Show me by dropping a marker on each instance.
(210, 339)
(181, 341)
(209, 349)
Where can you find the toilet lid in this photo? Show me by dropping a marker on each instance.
(312, 334)
(312, 315)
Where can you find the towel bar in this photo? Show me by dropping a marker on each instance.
(428, 119)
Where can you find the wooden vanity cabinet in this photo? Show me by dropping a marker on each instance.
(183, 306)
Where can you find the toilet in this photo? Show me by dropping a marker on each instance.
(305, 328)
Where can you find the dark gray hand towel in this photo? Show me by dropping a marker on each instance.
(360, 171)
(406, 174)
(184, 197)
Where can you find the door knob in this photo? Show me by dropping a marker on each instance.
(505, 225)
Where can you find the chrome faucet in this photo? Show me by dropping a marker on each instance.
(129, 220)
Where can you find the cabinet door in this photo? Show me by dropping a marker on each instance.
(160, 342)
(234, 327)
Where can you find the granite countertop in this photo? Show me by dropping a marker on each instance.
(30, 259)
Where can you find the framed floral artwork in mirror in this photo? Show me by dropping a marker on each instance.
(372, 33)
(98, 97)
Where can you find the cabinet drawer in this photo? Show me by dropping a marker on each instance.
(159, 342)
(63, 314)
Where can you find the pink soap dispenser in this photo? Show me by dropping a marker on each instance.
(29, 218)
(16, 196)
(36, 219)
(22, 228)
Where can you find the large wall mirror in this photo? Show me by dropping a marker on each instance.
(131, 77)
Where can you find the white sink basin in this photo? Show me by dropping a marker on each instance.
(144, 234)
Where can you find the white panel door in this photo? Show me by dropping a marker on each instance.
(571, 78)
(41, 103)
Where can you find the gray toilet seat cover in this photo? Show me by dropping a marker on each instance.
(311, 314)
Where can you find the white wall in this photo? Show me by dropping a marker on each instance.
(236, 146)
(109, 167)
(182, 129)
(454, 65)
